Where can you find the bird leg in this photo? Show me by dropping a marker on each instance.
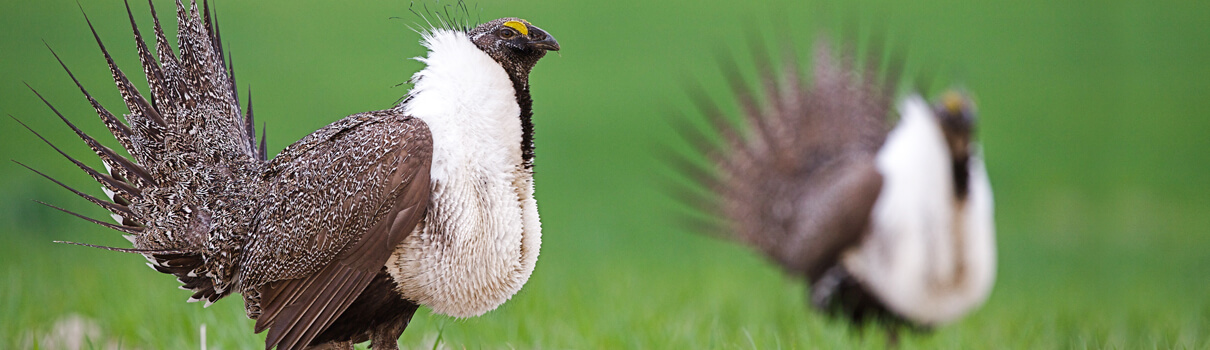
(385, 336)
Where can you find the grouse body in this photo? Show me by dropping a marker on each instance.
(341, 236)
(886, 221)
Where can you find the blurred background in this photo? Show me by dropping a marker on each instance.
(1093, 121)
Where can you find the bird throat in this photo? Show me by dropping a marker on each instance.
(521, 86)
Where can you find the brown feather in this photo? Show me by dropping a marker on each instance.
(120, 131)
(161, 42)
(161, 89)
(296, 311)
(124, 229)
(124, 250)
(112, 207)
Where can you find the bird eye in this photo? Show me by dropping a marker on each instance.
(506, 33)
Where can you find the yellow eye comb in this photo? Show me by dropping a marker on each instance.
(953, 102)
(520, 27)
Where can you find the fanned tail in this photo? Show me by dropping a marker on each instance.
(190, 147)
(744, 172)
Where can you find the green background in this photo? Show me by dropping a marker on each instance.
(1093, 120)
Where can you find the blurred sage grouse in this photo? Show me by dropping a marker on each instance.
(887, 223)
(338, 238)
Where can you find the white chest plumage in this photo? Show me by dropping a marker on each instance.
(479, 242)
(929, 256)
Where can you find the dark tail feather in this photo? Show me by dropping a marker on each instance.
(216, 40)
(766, 124)
(699, 174)
(182, 27)
(120, 131)
(215, 43)
(227, 62)
(693, 198)
(874, 86)
(718, 124)
(264, 152)
(206, 293)
(693, 135)
(189, 270)
(164, 95)
(187, 283)
(125, 250)
(761, 131)
(124, 229)
(161, 42)
(790, 103)
(731, 140)
(710, 227)
(112, 207)
(109, 182)
(230, 64)
(250, 128)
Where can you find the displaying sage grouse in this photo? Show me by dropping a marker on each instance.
(894, 225)
(338, 238)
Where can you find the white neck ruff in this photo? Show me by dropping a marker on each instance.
(479, 241)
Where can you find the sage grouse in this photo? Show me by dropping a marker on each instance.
(894, 225)
(341, 236)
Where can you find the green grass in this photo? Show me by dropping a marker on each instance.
(1092, 117)
(699, 294)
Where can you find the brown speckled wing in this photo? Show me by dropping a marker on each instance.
(831, 214)
(339, 202)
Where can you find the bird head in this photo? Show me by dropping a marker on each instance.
(956, 113)
(514, 43)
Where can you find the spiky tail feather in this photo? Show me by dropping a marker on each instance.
(187, 142)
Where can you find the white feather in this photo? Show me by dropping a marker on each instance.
(480, 240)
(910, 260)
(108, 193)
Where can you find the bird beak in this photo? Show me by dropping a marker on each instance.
(549, 44)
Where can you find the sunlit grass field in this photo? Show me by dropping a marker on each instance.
(1093, 118)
